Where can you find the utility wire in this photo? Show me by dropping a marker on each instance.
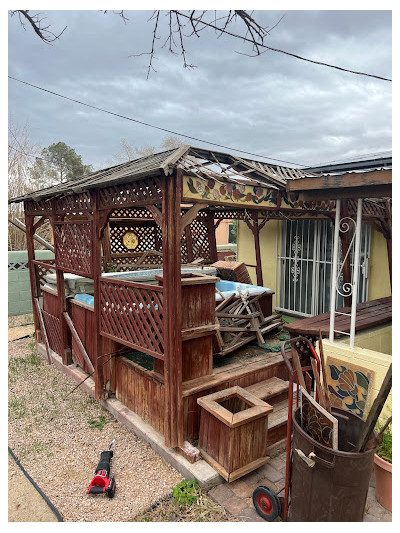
(166, 130)
(262, 45)
(151, 125)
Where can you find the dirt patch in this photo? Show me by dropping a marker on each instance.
(60, 448)
(25, 504)
(19, 332)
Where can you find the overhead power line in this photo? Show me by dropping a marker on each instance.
(262, 45)
(170, 131)
(152, 125)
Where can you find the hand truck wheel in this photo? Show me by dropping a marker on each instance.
(266, 503)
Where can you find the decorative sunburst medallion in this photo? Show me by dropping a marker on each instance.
(130, 240)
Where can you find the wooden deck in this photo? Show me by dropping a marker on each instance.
(369, 314)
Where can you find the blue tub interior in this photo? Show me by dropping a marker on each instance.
(224, 286)
(229, 287)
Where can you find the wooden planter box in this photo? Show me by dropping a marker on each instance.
(233, 431)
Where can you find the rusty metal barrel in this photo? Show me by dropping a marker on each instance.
(330, 485)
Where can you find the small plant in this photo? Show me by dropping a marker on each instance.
(97, 423)
(111, 267)
(185, 493)
(385, 449)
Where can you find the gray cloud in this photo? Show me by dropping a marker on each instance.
(272, 104)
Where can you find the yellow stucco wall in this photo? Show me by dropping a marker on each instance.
(246, 252)
(378, 271)
(378, 339)
(376, 361)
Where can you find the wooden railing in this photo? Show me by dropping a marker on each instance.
(132, 314)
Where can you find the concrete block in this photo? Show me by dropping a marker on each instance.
(14, 308)
(23, 275)
(12, 276)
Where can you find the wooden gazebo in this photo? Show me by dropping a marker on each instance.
(160, 210)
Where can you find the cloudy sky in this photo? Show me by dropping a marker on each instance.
(272, 105)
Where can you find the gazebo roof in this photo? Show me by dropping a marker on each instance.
(223, 168)
(194, 161)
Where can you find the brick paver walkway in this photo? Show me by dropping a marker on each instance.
(236, 497)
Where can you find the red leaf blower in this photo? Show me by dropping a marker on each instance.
(102, 483)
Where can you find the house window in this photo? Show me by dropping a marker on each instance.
(305, 265)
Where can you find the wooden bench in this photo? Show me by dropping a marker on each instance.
(368, 314)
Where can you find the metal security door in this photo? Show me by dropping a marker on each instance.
(305, 266)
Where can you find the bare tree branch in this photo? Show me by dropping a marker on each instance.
(195, 21)
(261, 44)
(36, 22)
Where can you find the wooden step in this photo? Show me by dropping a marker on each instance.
(272, 390)
(277, 421)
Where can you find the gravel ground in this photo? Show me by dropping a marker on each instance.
(60, 449)
(20, 320)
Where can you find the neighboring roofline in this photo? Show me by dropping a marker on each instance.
(382, 162)
(367, 184)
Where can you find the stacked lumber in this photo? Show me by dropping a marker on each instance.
(233, 271)
(241, 321)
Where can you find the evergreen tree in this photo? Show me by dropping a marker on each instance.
(58, 163)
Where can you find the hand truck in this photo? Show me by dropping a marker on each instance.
(266, 501)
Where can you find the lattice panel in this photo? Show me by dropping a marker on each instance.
(232, 214)
(53, 330)
(73, 242)
(41, 272)
(133, 315)
(74, 203)
(201, 245)
(149, 238)
(184, 250)
(133, 213)
(139, 191)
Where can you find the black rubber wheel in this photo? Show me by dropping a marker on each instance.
(266, 503)
(111, 493)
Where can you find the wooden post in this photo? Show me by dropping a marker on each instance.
(256, 233)
(256, 228)
(98, 227)
(32, 274)
(189, 243)
(171, 230)
(212, 242)
(106, 243)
